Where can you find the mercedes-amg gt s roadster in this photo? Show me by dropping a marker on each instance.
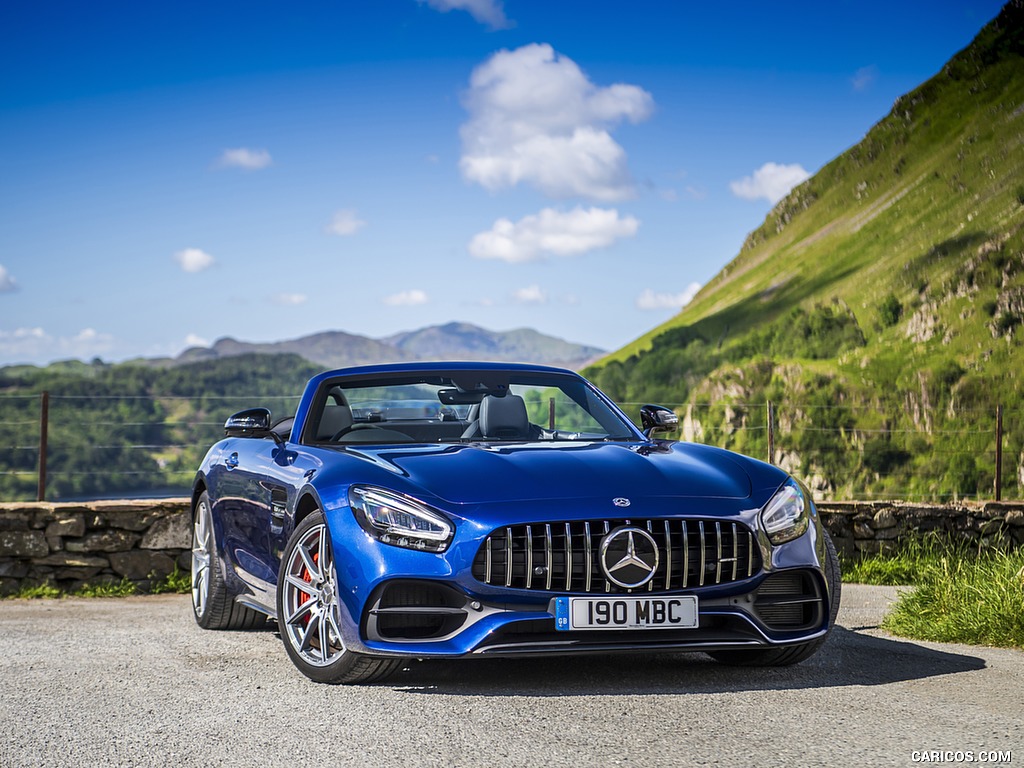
(454, 510)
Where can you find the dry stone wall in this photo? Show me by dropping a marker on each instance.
(70, 545)
(870, 527)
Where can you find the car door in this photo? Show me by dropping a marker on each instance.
(268, 476)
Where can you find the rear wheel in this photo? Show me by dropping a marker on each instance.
(309, 611)
(792, 654)
(212, 606)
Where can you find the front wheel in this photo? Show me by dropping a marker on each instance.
(793, 654)
(309, 611)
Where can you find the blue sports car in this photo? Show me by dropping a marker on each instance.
(451, 510)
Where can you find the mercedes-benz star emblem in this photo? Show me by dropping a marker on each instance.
(629, 557)
(620, 502)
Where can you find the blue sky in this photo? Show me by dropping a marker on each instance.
(174, 173)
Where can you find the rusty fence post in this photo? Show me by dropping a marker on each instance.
(771, 432)
(44, 428)
(999, 453)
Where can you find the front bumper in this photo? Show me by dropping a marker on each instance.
(406, 603)
(427, 619)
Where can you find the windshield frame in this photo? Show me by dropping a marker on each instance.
(471, 382)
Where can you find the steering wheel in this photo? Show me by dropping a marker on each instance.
(351, 428)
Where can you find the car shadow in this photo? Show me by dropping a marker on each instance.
(847, 658)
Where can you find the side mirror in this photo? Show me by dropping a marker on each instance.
(657, 418)
(254, 422)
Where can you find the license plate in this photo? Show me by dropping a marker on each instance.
(626, 612)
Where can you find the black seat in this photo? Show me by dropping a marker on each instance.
(335, 418)
(502, 418)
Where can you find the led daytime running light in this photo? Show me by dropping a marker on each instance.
(785, 516)
(399, 520)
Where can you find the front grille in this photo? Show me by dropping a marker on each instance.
(789, 601)
(564, 556)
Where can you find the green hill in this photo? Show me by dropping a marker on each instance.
(879, 304)
(132, 428)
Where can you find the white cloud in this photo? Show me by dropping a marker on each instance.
(532, 294)
(649, 299)
(489, 12)
(771, 181)
(193, 259)
(37, 346)
(864, 78)
(552, 232)
(289, 299)
(410, 298)
(345, 222)
(23, 334)
(246, 159)
(7, 283)
(535, 117)
(195, 340)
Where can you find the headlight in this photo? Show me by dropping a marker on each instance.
(399, 520)
(786, 515)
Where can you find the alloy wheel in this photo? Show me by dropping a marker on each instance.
(202, 541)
(310, 604)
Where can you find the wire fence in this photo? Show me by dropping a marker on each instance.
(133, 446)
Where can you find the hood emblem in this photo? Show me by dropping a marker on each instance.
(620, 502)
(629, 557)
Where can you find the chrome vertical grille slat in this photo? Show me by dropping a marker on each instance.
(587, 554)
(568, 557)
(650, 530)
(735, 552)
(718, 560)
(686, 556)
(668, 555)
(607, 584)
(703, 550)
(692, 553)
(508, 557)
(487, 560)
(549, 562)
(529, 557)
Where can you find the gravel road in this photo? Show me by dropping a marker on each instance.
(134, 681)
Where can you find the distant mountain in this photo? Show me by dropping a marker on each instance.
(453, 341)
(880, 305)
(331, 349)
(462, 341)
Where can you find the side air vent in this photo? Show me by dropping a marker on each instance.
(790, 601)
(414, 610)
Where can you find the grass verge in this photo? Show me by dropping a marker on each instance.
(902, 565)
(178, 582)
(960, 595)
(979, 601)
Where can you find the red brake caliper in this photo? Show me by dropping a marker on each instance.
(308, 578)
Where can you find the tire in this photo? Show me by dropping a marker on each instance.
(793, 654)
(308, 611)
(212, 605)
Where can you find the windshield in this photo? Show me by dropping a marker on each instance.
(464, 406)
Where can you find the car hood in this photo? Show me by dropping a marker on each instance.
(479, 473)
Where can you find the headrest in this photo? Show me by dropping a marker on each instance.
(504, 417)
